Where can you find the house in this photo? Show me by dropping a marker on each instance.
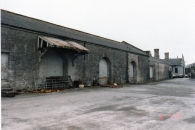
(177, 65)
(35, 49)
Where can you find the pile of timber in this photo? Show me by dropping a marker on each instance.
(111, 86)
(8, 92)
(48, 90)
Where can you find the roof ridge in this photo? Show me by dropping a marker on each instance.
(132, 45)
(175, 59)
(34, 24)
(58, 25)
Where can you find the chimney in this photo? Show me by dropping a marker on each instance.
(156, 53)
(148, 53)
(167, 55)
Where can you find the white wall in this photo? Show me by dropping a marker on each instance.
(180, 70)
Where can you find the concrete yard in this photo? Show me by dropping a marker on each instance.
(165, 105)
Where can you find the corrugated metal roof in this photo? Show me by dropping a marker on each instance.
(64, 44)
(12, 19)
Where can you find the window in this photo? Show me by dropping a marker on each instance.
(176, 70)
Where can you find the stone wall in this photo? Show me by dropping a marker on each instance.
(25, 61)
(23, 56)
(116, 58)
(143, 74)
(141, 66)
(161, 71)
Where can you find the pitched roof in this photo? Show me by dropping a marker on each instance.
(152, 59)
(17, 20)
(174, 61)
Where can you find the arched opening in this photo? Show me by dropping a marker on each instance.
(132, 72)
(104, 71)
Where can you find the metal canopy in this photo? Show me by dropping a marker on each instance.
(49, 42)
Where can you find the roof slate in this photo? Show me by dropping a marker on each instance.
(152, 59)
(13, 19)
(174, 61)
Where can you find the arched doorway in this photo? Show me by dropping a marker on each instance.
(132, 72)
(104, 71)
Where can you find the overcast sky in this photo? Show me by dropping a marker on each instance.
(147, 24)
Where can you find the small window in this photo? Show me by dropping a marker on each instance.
(176, 70)
(42, 43)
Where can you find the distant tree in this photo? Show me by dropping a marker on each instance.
(188, 70)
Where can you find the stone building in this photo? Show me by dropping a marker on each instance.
(177, 65)
(35, 49)
(159, 68)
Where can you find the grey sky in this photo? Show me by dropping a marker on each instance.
(147, 24)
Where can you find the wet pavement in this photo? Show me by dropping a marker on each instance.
(165, 105)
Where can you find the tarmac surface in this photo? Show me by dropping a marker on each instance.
(165, 105)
